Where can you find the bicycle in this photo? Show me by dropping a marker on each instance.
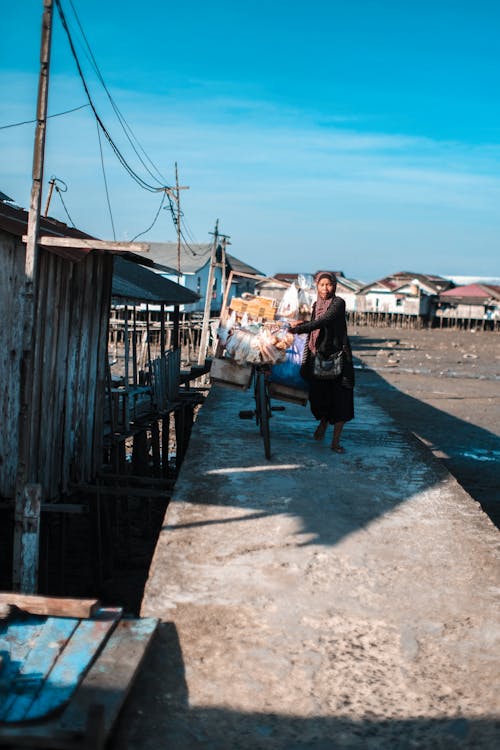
(263, 408)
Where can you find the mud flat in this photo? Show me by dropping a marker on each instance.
(444, 386)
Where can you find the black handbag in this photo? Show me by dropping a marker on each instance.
(328, 368)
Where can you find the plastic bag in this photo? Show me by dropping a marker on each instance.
(288, 372)
(289, 305)
(306, 294)
(224, 329)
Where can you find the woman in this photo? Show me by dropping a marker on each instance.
(331, 401)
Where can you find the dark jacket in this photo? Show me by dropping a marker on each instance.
(332, 337)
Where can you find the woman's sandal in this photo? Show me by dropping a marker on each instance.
(338, 449)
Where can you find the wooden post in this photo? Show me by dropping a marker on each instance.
(24, 467)
(162, 331)
(174, 341)
(30, 538)
(202, 353)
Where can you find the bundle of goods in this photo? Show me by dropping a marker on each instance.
(258, 344)
(245, 346)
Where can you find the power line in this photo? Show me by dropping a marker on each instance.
(57, 114)
(154, 220)
(138, 179)
(59, 192)
(125, 126)
(106, 183)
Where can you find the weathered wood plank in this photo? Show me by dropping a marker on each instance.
(70, 667)
(51, 606)
(110, 677)
(91, 244)
(17, 638)
(47, 646)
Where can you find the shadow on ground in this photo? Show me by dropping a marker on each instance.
(162, 718)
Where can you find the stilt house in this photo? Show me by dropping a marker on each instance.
(67, 400)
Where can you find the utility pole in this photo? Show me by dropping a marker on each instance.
(28, 496)
(175, 194)
(214, 263)
(208, 297)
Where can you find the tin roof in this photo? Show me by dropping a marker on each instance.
(193, 257)
(484, 291)
(435, 284)
(134, 284)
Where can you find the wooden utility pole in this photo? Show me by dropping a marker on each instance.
(214, 263)
(175, 194)
(208, 297)
(28, 495)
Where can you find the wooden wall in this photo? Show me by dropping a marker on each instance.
(69, 369)
(11, 318)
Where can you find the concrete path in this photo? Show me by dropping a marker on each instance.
(318, 601)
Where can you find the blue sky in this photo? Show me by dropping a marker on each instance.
(360, 136)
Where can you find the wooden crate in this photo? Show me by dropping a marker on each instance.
(285, 393)
(255, 307)
(238, 305)
(229, 373)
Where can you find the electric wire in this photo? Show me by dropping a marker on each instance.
(154, 220)
(56, 114)
(59, 192)
(106, 183)
(137, 178)
(125, 126)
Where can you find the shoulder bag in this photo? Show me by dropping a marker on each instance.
(328, 368)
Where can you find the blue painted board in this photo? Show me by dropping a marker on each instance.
(17, 637)
(45, 646)
(70, 667)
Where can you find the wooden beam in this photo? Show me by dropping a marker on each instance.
(91, 244)
(121, 491)
(50, 605)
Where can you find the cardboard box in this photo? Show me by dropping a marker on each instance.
(255, 307)
(227, 372)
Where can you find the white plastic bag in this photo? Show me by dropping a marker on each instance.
(289, 305)
(224, 329)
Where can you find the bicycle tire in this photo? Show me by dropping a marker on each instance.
(263, 410)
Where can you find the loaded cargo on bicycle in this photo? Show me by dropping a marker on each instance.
(254, 331)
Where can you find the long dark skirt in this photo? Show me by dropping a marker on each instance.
(330, 400)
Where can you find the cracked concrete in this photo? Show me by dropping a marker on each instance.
(318, 600)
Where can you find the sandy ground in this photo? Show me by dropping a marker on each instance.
(444, 386)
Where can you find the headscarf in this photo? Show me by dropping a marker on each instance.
(322, 306)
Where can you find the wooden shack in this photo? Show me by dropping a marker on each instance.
(74, 284)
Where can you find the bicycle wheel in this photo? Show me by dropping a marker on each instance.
(263, 408)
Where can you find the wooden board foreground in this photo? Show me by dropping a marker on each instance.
(51, 606)
(86, 722)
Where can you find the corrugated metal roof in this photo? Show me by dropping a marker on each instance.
(193, 257)
(483, 291)
(238, 265)
(136, 284)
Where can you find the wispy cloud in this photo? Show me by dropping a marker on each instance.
(245, 156)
